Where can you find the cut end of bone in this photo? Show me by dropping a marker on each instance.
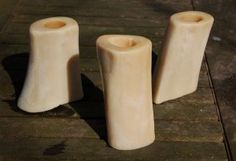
(122, 43)
(192, 18)
(53, 76)
(53, 24)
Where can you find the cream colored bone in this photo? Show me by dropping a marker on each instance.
(125, 64)
(53, 76)
(177, 71)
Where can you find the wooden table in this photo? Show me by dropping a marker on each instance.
(187, 129)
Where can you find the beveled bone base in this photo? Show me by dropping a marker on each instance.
(177, 71)
(53, 76)
(125, 64)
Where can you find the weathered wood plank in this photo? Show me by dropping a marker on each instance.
(88, 38)
(185, 4)
(91, 11)
(92, 149)
(202, 95)
(185, 111)
(88, 34)
(90, 128)
(100, 21)
(18, 39)
(12, 77)
(91, 110)
(23, 28)
(51, 127)
(6, 8)
(109, 8)
(189, 131)
(23, 51)
(6, 86)
(20, 62)
(8, 108)
(93, 92)
(221, 56)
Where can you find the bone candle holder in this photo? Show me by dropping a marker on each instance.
(53, 76)
(177, 71)
(125, 65)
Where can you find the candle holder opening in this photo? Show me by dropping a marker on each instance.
(55, 24)
(122, 42)
(191, 18)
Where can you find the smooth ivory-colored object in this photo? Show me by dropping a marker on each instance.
(177, 70)
(53, 76)
(125, 64)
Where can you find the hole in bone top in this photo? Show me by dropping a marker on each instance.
(55, 24)
(122, 42)
(191, 18)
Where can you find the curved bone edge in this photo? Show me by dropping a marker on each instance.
(177, 71)
(125, 64)
(53, 76)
